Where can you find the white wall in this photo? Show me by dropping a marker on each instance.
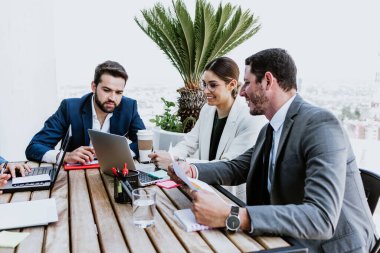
(27, 72)
(50, 48)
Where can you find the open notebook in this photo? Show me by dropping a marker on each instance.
(187, 219)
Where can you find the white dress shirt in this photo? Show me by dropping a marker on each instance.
(277, 122)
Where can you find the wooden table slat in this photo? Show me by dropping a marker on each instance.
(36, 237)
(192, 241)
(108, 228)
(143, 243)
(16, 197)
(82, 223)
(5, 198)
(244, 242)
(272, 242)
(214, 238)
(163, 238)
(266, 242)
(58, 233)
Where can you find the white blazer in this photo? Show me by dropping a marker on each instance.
(239, 134)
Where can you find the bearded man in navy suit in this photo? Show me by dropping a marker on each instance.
(105, 109)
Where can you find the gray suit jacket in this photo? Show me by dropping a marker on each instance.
(317, 195)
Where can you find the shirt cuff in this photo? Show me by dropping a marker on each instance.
(251, 231)
(50, 156)
(195, 169)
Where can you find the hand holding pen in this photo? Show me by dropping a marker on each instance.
(3, 177)
(3, 168)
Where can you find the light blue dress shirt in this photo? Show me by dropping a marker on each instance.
(277, 122)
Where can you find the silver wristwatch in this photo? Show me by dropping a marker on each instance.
(233, 220)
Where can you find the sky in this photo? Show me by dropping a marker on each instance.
(329, 40)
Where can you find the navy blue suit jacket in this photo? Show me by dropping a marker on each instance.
(77, 112)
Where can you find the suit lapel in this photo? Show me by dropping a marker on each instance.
(229, 129)
(87, 120)
(114, 123)
(253, 181)
(205, 133)
(288, 123)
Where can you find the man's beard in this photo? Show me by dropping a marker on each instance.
(259, 105)
(102, 105)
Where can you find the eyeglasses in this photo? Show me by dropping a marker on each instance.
(210, 86)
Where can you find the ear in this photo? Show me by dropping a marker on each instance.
(269, 78)
(231, 85)
(93, 87)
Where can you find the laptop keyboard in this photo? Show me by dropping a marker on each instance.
(34, 172)
(39, 171)
(145, 177)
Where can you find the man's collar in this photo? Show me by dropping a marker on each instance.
(279, 117)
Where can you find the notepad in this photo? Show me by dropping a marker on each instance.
(78, 166)
(31, 179)
(11, 239)
(28, 213)
(168, 184)
(187, 219)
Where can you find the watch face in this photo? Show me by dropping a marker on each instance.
(233, 222)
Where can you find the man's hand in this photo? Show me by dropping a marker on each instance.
(209, 209)
(81, 155)
(21, 167)
(3, 180)
(185, 167)
(161, 159)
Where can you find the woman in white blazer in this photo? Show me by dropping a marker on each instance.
(225, 128)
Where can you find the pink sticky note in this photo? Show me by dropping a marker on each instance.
(168, 184)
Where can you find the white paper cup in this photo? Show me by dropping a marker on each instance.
(145, 144)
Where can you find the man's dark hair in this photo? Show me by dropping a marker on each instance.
(109, 67)
(278, 62)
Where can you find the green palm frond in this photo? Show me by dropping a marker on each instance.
(189, 44)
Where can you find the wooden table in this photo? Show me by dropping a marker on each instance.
(91, 221)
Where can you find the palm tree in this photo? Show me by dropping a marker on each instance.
(190, 45)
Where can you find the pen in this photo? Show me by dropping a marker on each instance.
(128, 188)
(125, 170)
(115, 172)
(4, 167)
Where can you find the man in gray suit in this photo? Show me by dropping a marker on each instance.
(306, 185)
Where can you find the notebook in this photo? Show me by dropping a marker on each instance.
(40, 178)
(113, 151)
(78, 166)
(188, 222)
(28, 213)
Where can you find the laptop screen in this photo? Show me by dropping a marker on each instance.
(64, 146)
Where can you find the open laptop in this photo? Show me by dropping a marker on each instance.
(113, 151)
(52, 171)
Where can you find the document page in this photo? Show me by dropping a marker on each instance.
(28, 213)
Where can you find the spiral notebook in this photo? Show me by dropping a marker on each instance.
(187, 219)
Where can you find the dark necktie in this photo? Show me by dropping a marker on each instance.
(266, 155)
(258, 194)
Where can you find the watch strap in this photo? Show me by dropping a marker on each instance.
(234, 210)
